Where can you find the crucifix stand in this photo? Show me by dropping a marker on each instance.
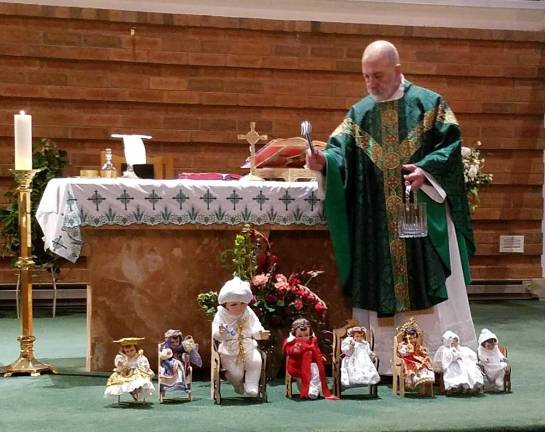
(252, 138)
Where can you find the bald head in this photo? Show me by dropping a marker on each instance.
(381, 69)
(381, 50)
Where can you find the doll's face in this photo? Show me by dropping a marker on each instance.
(236, 308)
(454, 342)
(129, 350)
(489, 344)
(302, 333)
(175, 341)
(358, 336)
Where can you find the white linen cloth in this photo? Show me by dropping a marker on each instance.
(69, 203)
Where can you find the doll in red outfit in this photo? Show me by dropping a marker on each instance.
(305, 361)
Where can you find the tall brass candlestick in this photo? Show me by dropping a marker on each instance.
(26, 363)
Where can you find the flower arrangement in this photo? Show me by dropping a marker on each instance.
(278, 299)
(474, 177)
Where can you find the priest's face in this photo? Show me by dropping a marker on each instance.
(235, 308)
(382, 78)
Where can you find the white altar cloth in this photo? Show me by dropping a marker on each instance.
(69, 203)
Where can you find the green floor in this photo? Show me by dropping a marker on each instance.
(72, 401)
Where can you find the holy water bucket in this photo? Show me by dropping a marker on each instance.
(413, 221)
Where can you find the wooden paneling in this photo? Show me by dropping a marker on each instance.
(195, 82)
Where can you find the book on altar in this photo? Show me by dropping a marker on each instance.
(283, 152)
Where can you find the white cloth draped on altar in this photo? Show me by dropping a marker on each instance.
(69, 203)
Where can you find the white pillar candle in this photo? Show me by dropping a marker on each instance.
(23, 141)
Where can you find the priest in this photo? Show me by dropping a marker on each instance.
(399, 135)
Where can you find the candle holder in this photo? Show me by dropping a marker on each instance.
(26, 363)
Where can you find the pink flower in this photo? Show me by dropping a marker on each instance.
(281, 278)
(253, 300)
(298, 304)
(260, 280)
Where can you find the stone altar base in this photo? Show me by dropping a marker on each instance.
(145, 279)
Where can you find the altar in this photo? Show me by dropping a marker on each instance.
(153, 245)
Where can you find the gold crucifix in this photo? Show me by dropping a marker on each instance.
(252, 138)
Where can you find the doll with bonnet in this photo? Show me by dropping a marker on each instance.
(305, 361)
(458, 364)
(132, 373)
(176, 353)
(493, 362)
(236, 328)
(357, 366)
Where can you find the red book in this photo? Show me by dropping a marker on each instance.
(282, 152)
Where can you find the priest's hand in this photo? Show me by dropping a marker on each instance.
(415, 176)
(315, 160)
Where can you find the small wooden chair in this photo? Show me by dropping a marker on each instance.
(398, 371)
(216, 375)
(338, 335)
(507, 376)
(163, 165)
(188, 375)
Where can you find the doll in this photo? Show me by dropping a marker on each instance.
(236, 327)
(357, 366)
(132, 373)
(458, 364)
(417, 365)
(492, 361)
(176, 353)
(172, 373)
(305, 361)
(180, 346)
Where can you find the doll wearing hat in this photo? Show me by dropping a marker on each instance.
(132, 373)
(176, 352)
(493, 362)
(357, 366)
(237, 328)
(306, 361)
(458, 364)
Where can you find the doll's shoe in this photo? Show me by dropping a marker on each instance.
(239, 389)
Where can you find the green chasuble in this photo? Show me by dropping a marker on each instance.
(364, 191)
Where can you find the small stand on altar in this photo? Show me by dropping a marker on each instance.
(281, 159)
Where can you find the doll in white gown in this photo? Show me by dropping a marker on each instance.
(132, 373)
(357, 366)
(493, 362)
(458, 364)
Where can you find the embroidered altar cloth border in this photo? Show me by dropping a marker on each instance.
(69, 203)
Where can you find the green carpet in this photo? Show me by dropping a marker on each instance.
(73, 401)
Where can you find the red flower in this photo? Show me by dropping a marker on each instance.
(320, 307)
(271, 298)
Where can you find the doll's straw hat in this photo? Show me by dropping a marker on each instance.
(129, 341)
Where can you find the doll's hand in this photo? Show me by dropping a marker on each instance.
(352, 343)
(264, 335)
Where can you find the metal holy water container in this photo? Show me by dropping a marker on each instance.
(413, 221)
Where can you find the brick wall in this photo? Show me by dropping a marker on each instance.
(195, 82)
